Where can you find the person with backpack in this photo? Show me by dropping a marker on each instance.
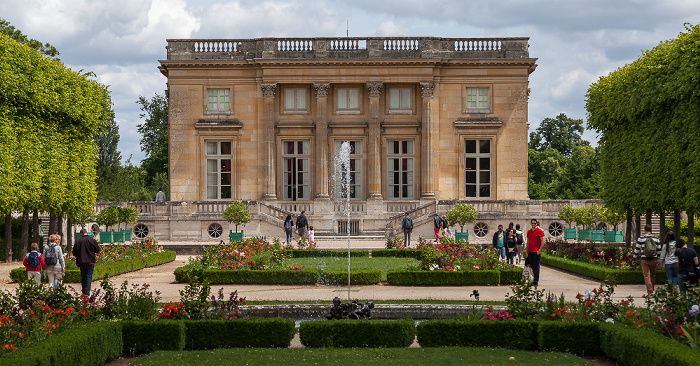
(302, 225)
(34, 263)
(407, 228)
(687, 266)
(55, 263)
(85, 251)
(648, 248)
(519, 242)
(437, 221)
(289, 228)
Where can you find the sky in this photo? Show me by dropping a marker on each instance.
(575, 42)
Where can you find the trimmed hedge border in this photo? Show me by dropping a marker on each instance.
(632, 346)
(90, 344)
(396, 253)
(581, 339)
(260, 332)
(142, 337)
(348, 333)
(454, 278)
(316, 253)
(599, 272)
(515, 334)
(279, 277)
(105, 270)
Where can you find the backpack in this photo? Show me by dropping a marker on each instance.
(288, 225)
(407, 223)
(519, 237)
(33, 259)
(50, 257)
(437, 221)
(649, 247)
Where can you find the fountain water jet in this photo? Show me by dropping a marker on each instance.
(341, 177)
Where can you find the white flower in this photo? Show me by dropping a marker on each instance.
(433, 267)
(588, 294)
(610, 320)
(242, 254)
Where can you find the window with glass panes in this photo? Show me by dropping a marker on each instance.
(477, 168)
(295, 170)
(218, 100)
(219, 159)
(400, 99)
(477, 98)
(294, 100)
(400, 169)
(355, 170)
(347, 99)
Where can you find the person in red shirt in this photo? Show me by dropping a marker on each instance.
(34, 273)
(535, 241)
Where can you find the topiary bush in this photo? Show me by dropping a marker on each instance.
(513, 334)
(142, 337)
(346, 333)
(260, 332)
(580, 338)
(276, 276)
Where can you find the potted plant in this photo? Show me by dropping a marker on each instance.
(109, 216)
(127, 215)
(580, 218)
(462, 214)
(566, 213)
(596, 214)
(237, 213)
(613, 218)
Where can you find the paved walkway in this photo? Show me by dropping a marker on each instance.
(161, 278)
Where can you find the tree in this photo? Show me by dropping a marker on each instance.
(545, 169)
(154, 131)
(462, 214)
(560, 133)
(580, 177)
(109, 158)
(237, 213)
(45, 48)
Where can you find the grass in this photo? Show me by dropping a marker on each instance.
(341, 264)
(355, 356)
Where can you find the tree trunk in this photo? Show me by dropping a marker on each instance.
(691, 228)
(8, 238)
(638, 223)
(35, 226)
(662, 226)
(52, 224)
(628, 229)
(69, 236)
(60, 230)
(24, 239)
(647, 217)
(677, 223)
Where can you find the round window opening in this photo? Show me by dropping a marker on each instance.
(481, 229)
(555, 229)
(215, 231)
(95, 230)
(140, 231)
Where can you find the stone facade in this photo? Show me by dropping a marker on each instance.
(429, 119)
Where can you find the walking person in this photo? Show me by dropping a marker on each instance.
(85, 251)
(302, 226)
(443, 226)
(511, 245)
(648, 248)
(55, 263)
(669, 259)
(499, 242)
(160, 196)
(288, 228)
(34, 263)
(520, 242)
(437, 222)
(535, 242)
(687, 263)
(407, 228)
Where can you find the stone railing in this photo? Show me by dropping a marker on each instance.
(347, 48)
(355, 207)
(419, 215)
(400, 206)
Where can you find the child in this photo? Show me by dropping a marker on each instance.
(311, 234)
(34, 263)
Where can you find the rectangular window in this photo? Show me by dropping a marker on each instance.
(400, 99)
(477, 168)
(294, 100)
(400, 168)
(347, 99)
(219, 169)
(296, 159)
(355, 181)
(218, 100)
(478, 99)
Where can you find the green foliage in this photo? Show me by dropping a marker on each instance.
(322, 253)
(237, 213)
(128, 215)
(211, 334)
(347, 333)
(443, 278)
(566, 213)
(395, 243)
(599, 272)
(461, 214)
(684, 228)
(109, 158)
(109, 216)
(275, 276)
(513, 334)
(526, 302)
(145, 337)
(578, 338)
(131, 303)
(45, 48)
(554, 176)
(632, 346)
(561, 133)
(155, 136)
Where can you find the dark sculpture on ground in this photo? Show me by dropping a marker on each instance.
(353, 310)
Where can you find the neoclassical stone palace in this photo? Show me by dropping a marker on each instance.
(430, 121)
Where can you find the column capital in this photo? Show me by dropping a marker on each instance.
(322, 89)
(268, 90)
(427, 89)
(374, 88)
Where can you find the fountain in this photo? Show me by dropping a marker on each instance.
(341, 178)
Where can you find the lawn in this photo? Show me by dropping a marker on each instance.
(341, 264)
(364, 356)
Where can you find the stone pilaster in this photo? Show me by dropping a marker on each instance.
(322, 141)
(270, 171)
(374, 141)
(428, 147)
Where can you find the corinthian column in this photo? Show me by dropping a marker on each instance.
(375, 171)
(269, 171)
(428, 147)
(322, 141)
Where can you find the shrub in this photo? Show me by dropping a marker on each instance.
(632, 346)
(462, 214)
(599, 272)
(347, 333)
(145, 337)
(210, 334)
(442, 278)
(237, 213)
(274, 276)
(511, 276)
(579, 338)
(515, 334)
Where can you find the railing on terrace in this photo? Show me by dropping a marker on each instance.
(419, 214)
(355, 207)
(348, 47)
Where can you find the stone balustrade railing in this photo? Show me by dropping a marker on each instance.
(347, 48)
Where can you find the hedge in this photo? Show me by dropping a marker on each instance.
(314, 253)
(599, 272)
(105, 270)
(443, 278)
(632, 346)
(396, 253)
(347, 333)
(579, 338)
(89, 344)
(142, 337)
(276, 276)
(260, 332)
(513, 334)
